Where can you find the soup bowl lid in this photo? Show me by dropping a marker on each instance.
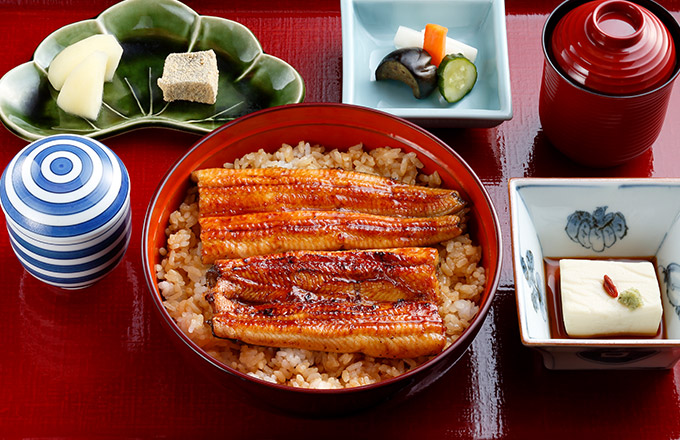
(614, 47)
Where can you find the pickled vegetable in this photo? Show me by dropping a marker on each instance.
(434, 42)
(457, 77)
(407, 37)
(82, 91)
(68, 59)
(411, 66)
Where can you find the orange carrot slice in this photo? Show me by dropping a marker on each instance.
(435, 42)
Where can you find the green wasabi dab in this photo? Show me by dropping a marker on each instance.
(631, 298)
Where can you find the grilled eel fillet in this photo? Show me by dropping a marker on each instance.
(246, 235)
(379, 302)
(233, 192)
(375, 275)
(402, 329)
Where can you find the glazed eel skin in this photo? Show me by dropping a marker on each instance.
(246, 235)
(240, 191)
(375, 275)
(402, 329)
(325, 259)
(379, 302)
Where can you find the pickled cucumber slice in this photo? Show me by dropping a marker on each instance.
(457, 76)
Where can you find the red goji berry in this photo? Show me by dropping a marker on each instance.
(609, 287)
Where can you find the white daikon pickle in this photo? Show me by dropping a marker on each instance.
(407, 37)
(83, 89)
(66, 60)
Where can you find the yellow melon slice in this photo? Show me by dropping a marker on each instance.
(83, 89)
(66, 60)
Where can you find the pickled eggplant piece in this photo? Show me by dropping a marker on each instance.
(411, 66)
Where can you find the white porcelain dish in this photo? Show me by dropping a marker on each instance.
(368, 28)
(647, 221)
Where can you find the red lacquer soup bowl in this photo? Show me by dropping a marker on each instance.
(333, 126)
(605, 89)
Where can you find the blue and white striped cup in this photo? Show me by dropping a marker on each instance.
(66, 199)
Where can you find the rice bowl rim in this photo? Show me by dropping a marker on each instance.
(169, 180)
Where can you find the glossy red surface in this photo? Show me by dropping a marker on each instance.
(334, 126)
(98, 363)
(614, 47)
(601, 129)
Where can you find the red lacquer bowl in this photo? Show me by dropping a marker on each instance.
(614, 47)
(601, 129)
(334, 126)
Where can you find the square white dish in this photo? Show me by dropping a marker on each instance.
(628, 218)
(368, 28)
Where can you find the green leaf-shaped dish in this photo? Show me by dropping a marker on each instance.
(250, 80)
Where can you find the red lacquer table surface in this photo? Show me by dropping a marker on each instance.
(99, 364)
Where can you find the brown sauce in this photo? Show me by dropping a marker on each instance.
(554, 299)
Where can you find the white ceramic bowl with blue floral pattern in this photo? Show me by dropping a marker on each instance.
(595, 218)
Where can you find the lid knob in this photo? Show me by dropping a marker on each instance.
(616, 23)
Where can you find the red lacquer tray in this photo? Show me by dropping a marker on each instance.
(98, 363)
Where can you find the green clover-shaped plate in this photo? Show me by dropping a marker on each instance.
(250, 80)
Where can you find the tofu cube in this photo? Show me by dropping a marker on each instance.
(587, 309)
(191, 76)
